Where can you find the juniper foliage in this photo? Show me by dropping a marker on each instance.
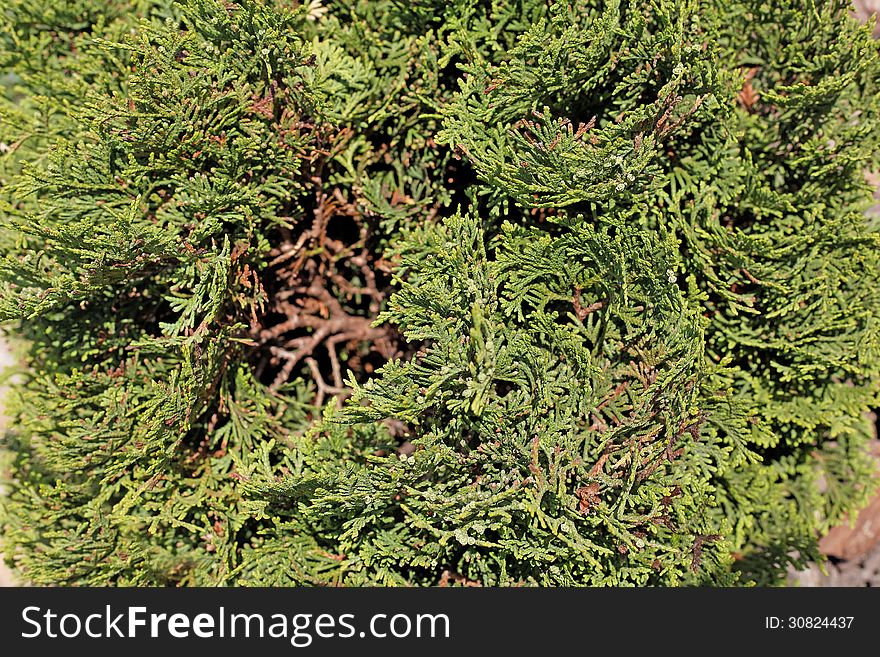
(418, 293)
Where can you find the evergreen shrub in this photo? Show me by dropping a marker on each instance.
(411, 292)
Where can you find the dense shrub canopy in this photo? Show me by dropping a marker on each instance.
(418, 293)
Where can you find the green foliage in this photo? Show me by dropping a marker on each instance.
(418, 293)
